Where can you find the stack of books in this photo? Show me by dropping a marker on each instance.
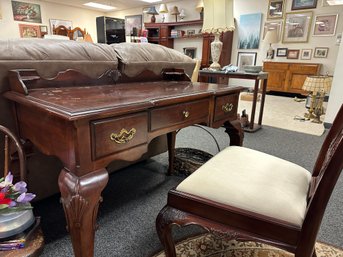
(20, 240)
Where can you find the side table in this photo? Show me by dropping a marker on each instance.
(211, 76)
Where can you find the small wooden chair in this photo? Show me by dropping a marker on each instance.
(250, 195)
(13, 150)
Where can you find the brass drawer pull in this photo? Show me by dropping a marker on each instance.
(185, 114)
(227, 107)
(124, 136)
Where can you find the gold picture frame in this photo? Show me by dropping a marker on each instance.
(276, 9)
(297, 27)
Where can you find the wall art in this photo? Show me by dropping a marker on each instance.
(303, 4)
(293, 54)
(27, 12)
(29, 31)
(276, 9)
(306, 54)
(245, 58)
(133, 25)
(321, 52)
(249, 31)
(325, 25)
(296, 27)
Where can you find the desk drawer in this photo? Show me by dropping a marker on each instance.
(180, 113)
(226, 107)
(117, 134)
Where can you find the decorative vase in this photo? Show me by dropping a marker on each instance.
(13, 223)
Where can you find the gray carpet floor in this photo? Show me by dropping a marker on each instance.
(135, 195)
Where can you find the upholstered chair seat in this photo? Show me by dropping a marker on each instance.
(253, 181)
(248, 195)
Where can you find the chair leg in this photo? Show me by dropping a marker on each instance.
(314, 253)
(164, 223)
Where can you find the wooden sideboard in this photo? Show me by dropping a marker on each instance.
(87, 124)
(289, 77)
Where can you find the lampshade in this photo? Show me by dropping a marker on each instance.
(175, 11)
(152, 10)
(163, 8)
(218, 16)
(199, 6)
(317, 84)
(271, 37)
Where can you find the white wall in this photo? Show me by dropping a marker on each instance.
(336, 93)
(83, 18)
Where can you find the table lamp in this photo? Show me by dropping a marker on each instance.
(175, 11)
(163, 9)
(318, 86)
(271, 37)
(200, 9)
(152, 10)
(218, 18)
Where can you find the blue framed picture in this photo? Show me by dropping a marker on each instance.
(249, 31)
(303, 4)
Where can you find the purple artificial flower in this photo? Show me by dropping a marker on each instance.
(12, 204)
(8, 180)
(20, 187)
(5, 189)
(25, 197)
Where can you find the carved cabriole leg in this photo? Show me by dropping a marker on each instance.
(171, 137)
(80, 199)
(235, 132)
(165, 220)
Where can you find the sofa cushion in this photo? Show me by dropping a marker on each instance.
(135, 58)
(49, 56)
(254, 181)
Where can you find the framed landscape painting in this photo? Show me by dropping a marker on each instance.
(249, 31)
(303, 4)
(297, 27)
(245, 58)
(27, 12)
(325, 25)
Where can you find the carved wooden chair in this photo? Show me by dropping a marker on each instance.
(61, 30)
(13, 152)
(250, 195)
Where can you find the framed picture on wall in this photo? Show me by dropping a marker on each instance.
(303, 4)
(190, 51)
(273, 25)
(29, 31)
(133, 25)
(56, 22)
(276, 9)
(306, 54)
(321, 52)
(293, 54)
(325, 25)
(27, 12)
(281, 52)
(297, 27)
(245, 58)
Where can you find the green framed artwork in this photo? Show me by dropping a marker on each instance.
(303, 4)
(27, 12)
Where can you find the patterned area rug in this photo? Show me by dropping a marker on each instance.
(208, 245)
(285, 113)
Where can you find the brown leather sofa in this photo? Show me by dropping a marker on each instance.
(135, 62)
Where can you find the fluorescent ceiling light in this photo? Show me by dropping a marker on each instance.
(151, 1)
(100, 6)
(334, 2)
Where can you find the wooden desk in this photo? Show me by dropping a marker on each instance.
(262, 77)
(87, 126)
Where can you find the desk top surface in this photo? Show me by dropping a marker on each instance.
(237, 74)
(73, 102)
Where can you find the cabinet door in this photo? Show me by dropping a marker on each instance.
(277, 75)
(297, 76)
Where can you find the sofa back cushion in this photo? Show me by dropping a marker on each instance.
(135, 58)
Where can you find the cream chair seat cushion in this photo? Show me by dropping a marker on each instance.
(253, 181)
